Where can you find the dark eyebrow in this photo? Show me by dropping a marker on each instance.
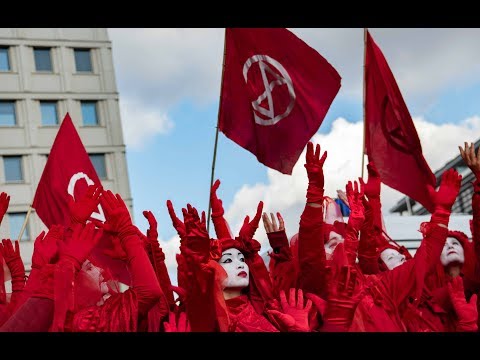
(227, 254)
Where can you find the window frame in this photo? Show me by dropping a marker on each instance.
(50, 58)
(9, 63)
(14, 103)
(50, 102)
(84, 50)
(26, 234)
(95, 103)
(104, 164)
(22, 171)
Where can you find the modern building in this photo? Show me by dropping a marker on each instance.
(45, 73)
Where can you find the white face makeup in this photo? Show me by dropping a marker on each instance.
(452, 252)
(333, 240)
(392, 258)
(94, 275)
(233, 262)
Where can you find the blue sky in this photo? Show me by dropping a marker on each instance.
(169, 84)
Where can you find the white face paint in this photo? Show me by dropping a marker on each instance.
(392, 258)
(233, 262)
(452, 252)
(94, 276)
(333, 240)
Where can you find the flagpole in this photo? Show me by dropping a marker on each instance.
(25, 223)
(216, 135)
(364, 92)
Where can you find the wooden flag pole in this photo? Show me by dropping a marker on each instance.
(216, 136)
(25, 223)
(364, 93)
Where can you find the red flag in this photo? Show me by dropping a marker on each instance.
(276, 91)
(391, 140)
(69, 171)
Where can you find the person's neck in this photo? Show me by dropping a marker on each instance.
(230, 293)
(453, 270)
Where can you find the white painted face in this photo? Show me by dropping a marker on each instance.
(452, 252)
(94, 276)
(333, 240)
(233, 262)
(392, 258)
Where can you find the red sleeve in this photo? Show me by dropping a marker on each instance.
(31, 285)
(367, 248)
(404, 279)
(282, 267)
(221, 227)
(476, 219)
(144, 279)
(311, 251)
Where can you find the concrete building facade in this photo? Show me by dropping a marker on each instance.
(45, 73)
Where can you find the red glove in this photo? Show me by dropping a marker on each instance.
(117, 215)
(197, 239)
(177, 223)
(314, 166)
(342, 300)
(116, 250)
(80, 244)
(182, 326)
(81, 210)
(249, 227)
(372, 187)
(14, 263)
(357, 210)
(295, 315)
(215, 202)
(4, 201)
(445, 196)
(45, 247)
(466, 311)
(152, 233)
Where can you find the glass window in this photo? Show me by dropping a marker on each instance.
(49, 112)
(7, 113)
(89, 112)
(43, 60)
(4, 60)
(83, 60)
(16, 221)
(98, 161)
(13, 168)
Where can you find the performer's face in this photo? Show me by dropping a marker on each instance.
(392, 258)
(333, 240)
(233, 262)
(94, 277)
(452, 252)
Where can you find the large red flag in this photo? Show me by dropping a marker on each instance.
(276, 91)
(391, 140)
(69, 171)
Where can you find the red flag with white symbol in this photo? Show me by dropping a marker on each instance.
(69, 171)
(391, 140)
(276, 91)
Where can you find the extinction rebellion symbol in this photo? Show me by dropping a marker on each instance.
(266, 115)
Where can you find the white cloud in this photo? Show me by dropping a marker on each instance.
(140, 124)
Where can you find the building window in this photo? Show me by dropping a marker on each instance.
(16, 221)
(49, 112)
(4, 59)
(13, 168)
(98, 161)
(43, 60)
(89, 113)
(83, 60)
(7, 113)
